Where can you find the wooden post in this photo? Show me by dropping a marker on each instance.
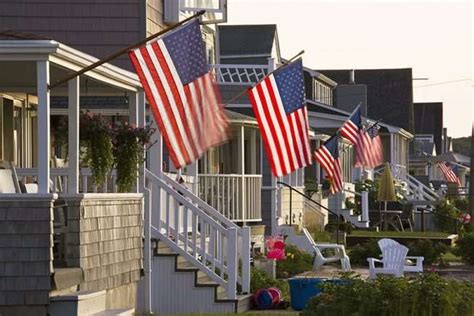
(42, 76)
(246, 259)
(141, 121)
(73, 136)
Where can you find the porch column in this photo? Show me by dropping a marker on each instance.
(241, 164)
(141, 122)
(133, 120)
(73, 136)
(392, 148)
(155, 165)
(42, 81)
(253, 151)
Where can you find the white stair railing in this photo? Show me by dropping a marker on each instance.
(416, 189)
(199, 233)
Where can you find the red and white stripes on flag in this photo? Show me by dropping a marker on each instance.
(188, 114)
(449, 174)
(369, 151)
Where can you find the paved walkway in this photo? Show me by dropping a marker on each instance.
(328, 271)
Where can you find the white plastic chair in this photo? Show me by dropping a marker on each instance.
(320, 259)
(392, 262)
(8, 178)
(417, 267)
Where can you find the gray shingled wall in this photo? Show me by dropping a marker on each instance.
(105, 239)
(26, 253)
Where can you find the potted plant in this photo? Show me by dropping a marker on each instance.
(128, 152)
(97, 142)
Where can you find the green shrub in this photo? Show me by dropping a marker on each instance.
(297, 261)
(343, 227)
(259, 279)
(446, 216)
(360, 252)
(432, 252)
(425, 295)
(465, 248)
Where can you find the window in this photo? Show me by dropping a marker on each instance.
(216, 10)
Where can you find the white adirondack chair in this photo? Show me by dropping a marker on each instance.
(320, 259)
(417, 267)
(392, 262)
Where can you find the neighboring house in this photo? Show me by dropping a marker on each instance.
(389, 93)
(429, 121)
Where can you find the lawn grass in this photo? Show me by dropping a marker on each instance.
(450, 257)
(365, 233)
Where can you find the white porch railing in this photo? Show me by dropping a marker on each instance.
(237, 197)
(240, 74)
(199, 233)
(59, 181)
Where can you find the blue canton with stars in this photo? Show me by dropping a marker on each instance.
(373, 131)
(289, 81)
(332, 146)
(186, 48)
(356, 117)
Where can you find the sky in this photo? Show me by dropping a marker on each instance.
(434, 38)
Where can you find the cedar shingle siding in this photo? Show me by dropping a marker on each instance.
(26, 253)
(105, 239)
(94, 27)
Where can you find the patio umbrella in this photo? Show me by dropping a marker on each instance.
(386, 189)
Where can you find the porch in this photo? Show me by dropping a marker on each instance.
(229, 175)
(53, 223)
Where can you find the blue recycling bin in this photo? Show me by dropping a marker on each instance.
(302, 289)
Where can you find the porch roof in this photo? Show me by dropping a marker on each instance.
(19, 53)
(235, 117)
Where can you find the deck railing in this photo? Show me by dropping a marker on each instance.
(240, 74)
(237, 197)
(59, 180)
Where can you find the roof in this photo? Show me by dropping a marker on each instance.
(344, 115)
(7, 34)
(238, 41)
(29, 48)
(453, 157)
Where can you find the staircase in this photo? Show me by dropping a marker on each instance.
(355, 219)
(186, 289)
(415, 191)
(201, 263)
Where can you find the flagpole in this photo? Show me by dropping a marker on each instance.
(122, 51)
(283, 65)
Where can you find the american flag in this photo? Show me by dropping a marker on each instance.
(328, 157)
(350, 129)
(449, 173)
(278, 102)
(369, 149)
(181, 91)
